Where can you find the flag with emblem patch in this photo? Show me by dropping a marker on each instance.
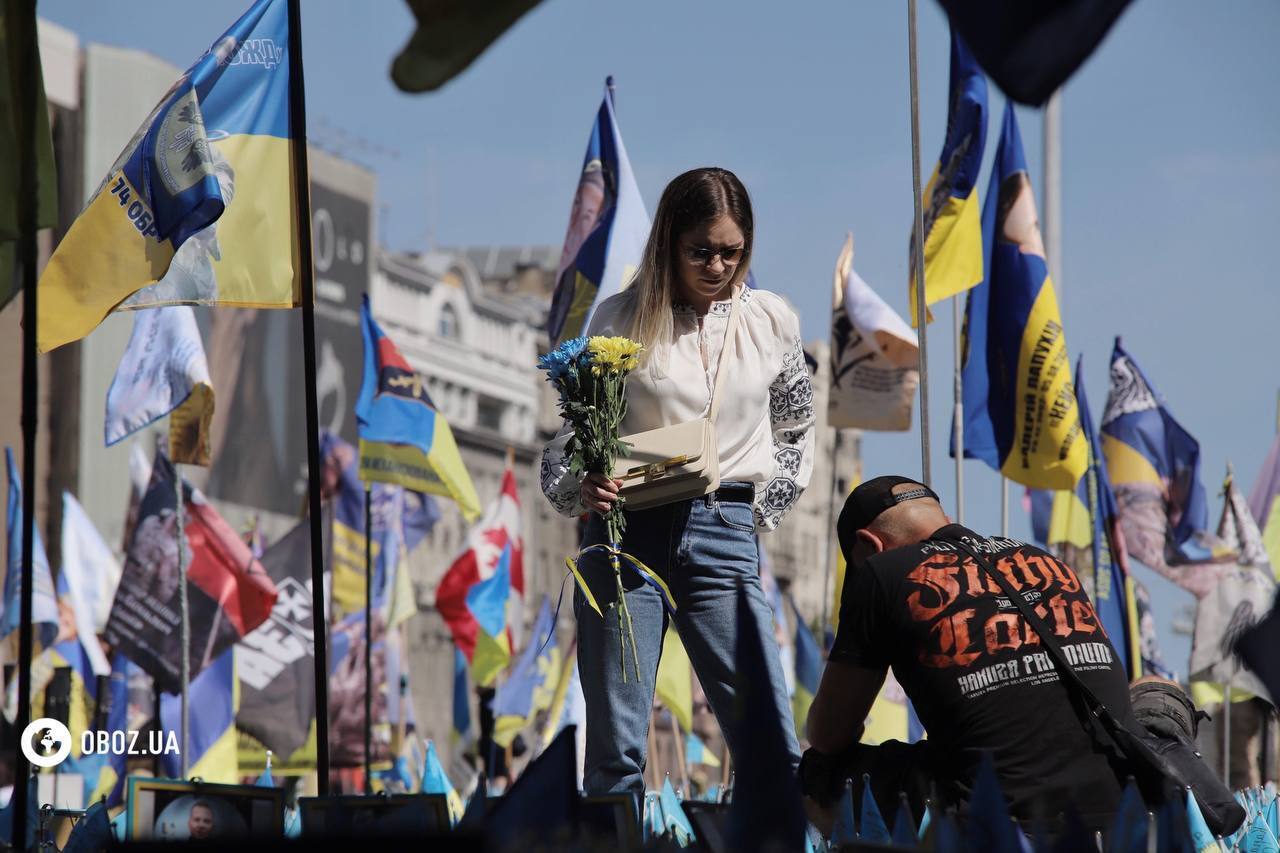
(530, 687)
(199, 208)
(1155, 471)
(952, 227)
(1020, 411)
(403, 439)
(608, 227)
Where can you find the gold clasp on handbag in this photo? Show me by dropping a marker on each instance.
(656, 469)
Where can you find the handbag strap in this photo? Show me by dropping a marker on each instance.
(730, 339)
(1070, 677)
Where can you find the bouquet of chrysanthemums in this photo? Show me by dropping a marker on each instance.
(590, 375)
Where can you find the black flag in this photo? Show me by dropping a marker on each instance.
(275, 663)
(1031, 47)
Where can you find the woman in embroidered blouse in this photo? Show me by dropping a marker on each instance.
(694, 265)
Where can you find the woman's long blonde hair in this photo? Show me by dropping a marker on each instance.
(692, 199)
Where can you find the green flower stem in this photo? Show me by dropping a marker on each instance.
(630, 633)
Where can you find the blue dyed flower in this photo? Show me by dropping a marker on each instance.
(562, 362)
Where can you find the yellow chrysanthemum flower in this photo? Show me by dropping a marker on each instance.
(613, 353)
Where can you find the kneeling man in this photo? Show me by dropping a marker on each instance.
(975, 670)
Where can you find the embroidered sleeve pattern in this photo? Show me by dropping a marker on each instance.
(561, 488)
(791, 415)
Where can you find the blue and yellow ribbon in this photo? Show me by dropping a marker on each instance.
(618, 558)
(647, 574)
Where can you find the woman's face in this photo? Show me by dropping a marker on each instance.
(701, 252)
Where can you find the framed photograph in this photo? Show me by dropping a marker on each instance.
(173, 810)
(394, 814)
(612, 818)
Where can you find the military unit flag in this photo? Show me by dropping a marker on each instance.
(1020, 411)
(44, 605)
(953, 255)
(1240, 596)
(608, 227)
(403, 438)
(1085, 529)
(1155, 471)
(164, 371)
(874, 355)
(529, 688)
(200, 205)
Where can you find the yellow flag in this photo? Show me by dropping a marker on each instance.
(952, 221)
(675, 680)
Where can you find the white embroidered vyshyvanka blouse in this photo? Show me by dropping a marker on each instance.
(764, 428)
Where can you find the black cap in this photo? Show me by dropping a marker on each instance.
(871, 498)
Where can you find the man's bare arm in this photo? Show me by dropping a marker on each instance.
(845, 696)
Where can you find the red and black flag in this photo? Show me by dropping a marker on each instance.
(229, 594)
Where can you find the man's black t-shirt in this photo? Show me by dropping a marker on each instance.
(977, 673)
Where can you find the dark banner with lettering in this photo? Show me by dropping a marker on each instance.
(275, 663)
(228, 593)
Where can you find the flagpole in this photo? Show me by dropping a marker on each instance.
(832, 498)
(1004, 505)
(957, 417)
(653, 752)
(368, 638)
(917, 245)
(185, 611)
(25, 12)
(302, 195)
(681, 758)
(1052, 144)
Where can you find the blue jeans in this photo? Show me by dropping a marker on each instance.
(703, 549)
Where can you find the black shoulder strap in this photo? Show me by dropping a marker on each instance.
(1069, 675)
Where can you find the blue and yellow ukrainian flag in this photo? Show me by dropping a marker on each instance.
(808, 671)
(531, 685)
(696, 752)
(953, 233)
(608, 227)
(202, 197)
(436, 781)
(44, 605)
(211, 742)
(1086, 519)
(674, 683)
(403, 439)
(1020, 410)
(1148, 450)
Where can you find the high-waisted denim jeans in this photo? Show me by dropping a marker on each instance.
(703, 549)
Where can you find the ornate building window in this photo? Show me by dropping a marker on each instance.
(447, 325)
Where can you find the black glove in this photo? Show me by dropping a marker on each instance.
(822, 776)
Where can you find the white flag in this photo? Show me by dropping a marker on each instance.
(1241, 595)
(164, 372)
(92, 574)
(874, 355)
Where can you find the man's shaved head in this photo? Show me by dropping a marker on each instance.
(888, 512)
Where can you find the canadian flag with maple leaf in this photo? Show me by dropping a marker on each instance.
(485, 582)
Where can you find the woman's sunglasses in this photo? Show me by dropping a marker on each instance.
(729, 256)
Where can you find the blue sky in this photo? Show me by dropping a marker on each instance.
(1170, 153)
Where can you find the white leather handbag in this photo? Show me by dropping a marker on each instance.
(680, 461)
